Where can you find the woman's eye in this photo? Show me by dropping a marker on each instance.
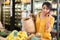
(47, 8)
(43, 8)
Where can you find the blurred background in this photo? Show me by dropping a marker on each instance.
(12, 11)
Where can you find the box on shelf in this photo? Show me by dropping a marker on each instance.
(26, 1)
(17, 0)
(7, 2)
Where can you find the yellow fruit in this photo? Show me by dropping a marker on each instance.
(22, 35)
(11, 35)
(17, 38)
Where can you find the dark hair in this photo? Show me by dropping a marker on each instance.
(47, 4)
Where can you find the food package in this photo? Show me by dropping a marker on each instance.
(7, 2)
(26, 1)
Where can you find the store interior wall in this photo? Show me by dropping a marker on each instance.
(1, 1)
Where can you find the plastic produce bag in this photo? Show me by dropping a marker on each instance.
(12, 36)
(35, 38)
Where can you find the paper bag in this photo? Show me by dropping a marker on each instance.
(28, 25)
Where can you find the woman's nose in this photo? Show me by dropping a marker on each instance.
(45, 10)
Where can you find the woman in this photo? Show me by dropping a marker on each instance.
(44, 21)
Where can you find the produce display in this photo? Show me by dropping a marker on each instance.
(15, 35)
(22, 35)
(12, 35)
(22, 10)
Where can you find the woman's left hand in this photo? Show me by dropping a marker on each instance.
(47, 25)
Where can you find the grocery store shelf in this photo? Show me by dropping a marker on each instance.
(7, 23)
(6, 7)
(54, 15)
(6, 10)
(56, 21)
(54, 8)
(7, 20)
(37, 0)
(37, 9)
(18, 25)
(17, 2)
(18, 17)
(18, 14)
(54, 31)
(17, 10)
(17, 7)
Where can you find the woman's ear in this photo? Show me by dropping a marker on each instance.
(48, 14)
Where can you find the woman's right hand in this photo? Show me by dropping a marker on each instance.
(31, 15)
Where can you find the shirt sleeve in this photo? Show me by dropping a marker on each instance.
(36, 22)
(51, 24)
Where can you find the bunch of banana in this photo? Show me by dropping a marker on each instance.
(11, 36)
(22, 35)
